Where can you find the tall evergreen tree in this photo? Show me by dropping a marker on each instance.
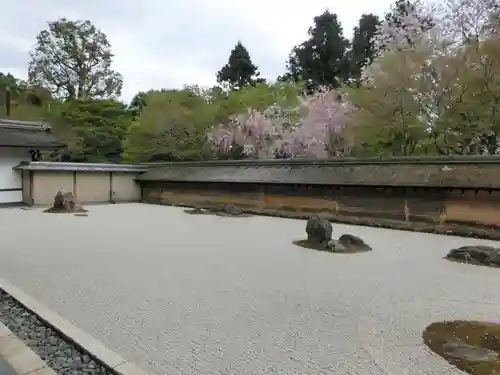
(239, 71)
(363, 48)
(321, 60)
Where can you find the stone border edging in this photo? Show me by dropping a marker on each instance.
(19, 356)
(97, 350)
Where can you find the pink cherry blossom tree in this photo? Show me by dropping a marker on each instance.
(405, 25)
(312, 129)
(257, 134)
(321, 133)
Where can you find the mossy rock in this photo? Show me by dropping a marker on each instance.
(471, 346)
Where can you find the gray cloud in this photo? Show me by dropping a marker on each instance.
(167, 44)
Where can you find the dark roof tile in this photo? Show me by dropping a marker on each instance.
(28, 134)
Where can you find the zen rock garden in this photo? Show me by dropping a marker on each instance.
(375, 309)
(476, 255)
(473, 347)
(66, 203)
(319, 237)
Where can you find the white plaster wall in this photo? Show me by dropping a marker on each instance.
(10, 179)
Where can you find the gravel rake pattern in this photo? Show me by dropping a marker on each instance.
(61, 354)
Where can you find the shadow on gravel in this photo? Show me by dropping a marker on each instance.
(312, 245)
(471, 346)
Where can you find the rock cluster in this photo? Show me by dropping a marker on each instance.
(319, 232)
(477, 255)
(66, 202)
(59, 353)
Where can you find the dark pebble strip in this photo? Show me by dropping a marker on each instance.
(61, 354)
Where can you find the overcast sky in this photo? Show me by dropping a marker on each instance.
(169, 43)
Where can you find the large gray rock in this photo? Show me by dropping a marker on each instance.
(348, 243)
(353, 243)
(319, 230)
(477, 255)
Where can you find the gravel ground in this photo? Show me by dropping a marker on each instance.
(186, 294)
(60, 354)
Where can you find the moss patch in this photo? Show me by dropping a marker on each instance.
(53, 210)
(197, 211)
(225, 214)
(471, 346)
(217, 212)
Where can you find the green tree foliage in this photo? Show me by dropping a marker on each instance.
(258, 97)
(29, 103)
(363, 48)
(15, 85)
(138, 102)
(73, 60)
(171, 127)
(239, 71)
(322, 59)
(94, 130)
(10, 88)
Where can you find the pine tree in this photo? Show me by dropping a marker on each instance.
(239, 71)
(363, 48)
(322, 59)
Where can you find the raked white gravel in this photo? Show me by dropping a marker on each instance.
(184, 294)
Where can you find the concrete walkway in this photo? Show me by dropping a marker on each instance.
(183, 294)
